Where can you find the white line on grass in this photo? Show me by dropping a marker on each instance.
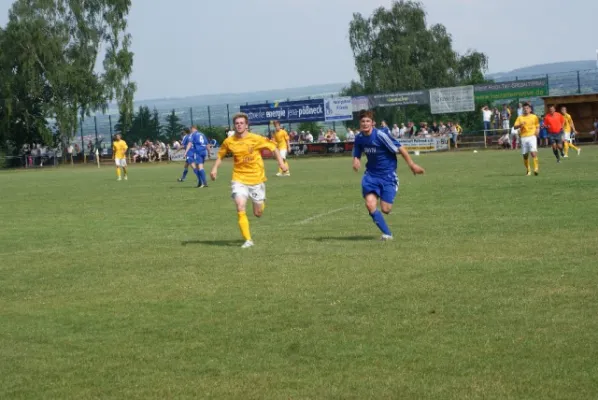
(308, 220)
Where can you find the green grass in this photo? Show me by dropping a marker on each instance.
(139, 289)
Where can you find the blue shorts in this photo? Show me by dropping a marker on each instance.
(555, 138)
(190, 158)
(384, 188)
(200, 157)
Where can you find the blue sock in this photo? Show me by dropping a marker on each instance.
(378, 219)
(202, 176)
(185, 171)
(196, 171)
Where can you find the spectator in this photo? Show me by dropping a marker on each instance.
(350, 135)
(230, 132)
(384, 128)
(504, 140)
(435, 128)
(519, 110)
(395, 131)
(402, 130)
(487, 117)
(309, 138)
(505, 117)
(514, 138)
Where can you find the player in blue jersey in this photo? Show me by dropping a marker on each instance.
(188, 160)
(198, 145)
(380, 180)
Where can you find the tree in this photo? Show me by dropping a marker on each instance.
(312, 127)
(50, 49)
(155, 128)
(140, 130)
(395, 50)
(173, 128)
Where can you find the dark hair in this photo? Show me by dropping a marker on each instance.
(527, 105)
(366, 114)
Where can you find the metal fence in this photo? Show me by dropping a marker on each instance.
(101, 126)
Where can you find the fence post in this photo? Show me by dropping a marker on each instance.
(485, 140)
(95, 122)
(228, 115)
(578, 83)
(191, 114)
(82, 141)
(209, 117)
(547, 86)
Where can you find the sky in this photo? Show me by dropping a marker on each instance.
(196, 47)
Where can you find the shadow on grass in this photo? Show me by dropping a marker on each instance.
(218, 243)
(355, 238)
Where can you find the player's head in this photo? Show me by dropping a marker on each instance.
(563, 110)
(527, 108)
(552, 109)
(383, 124)
(193, 128)
(366, 121)
(241, 122)
(276, 125)
(118, 136)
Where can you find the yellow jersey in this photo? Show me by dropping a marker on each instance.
(568, 123)
(530, 125)
(281, 137)
(248, 167)
(119, 149)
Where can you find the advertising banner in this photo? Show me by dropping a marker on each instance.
(400, 99)
(452, 100)
(511, 89)
(338, 109)
(285, 112)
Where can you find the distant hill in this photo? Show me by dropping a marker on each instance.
(543, 69)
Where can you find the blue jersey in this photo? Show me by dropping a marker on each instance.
(385, 129)
(200, 142)
(186, 140)
(381, 152)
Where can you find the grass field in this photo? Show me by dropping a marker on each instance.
(139, 290)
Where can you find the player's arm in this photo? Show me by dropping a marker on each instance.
(416, 169)
(113, 151)
(221, 154)
(189, 144)
(518, 123)
(572, 125)
(357, 151)
(537, 126)
(286, 139)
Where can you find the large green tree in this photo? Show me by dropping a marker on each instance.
(50, 49)
(173, 128)
(395, 50)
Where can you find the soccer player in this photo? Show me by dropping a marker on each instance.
(380, 180)
(554, 122)
(281, 137)
(529, 129)
(248, 171)
(189, 158)
(119, 152)
(198, 145)
(568, 127)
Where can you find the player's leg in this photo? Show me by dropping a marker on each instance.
(202, 173)
(525, 150)
(371, 190)
(123, 164)
(240, 194)
(258, 197)
(117, 161)
(572, 146)
(560, 145)
(533, 150)
(283, 154)
(196, 171)
(553, 142)
(185, 171)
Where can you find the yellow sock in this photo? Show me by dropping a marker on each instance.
(244, 225)
(526, 163)
(287, 165)
(573, 146)
(118, 172)
(263, 206)
(566, 149)
(536, 163)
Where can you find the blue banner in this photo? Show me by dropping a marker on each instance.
(287, 111)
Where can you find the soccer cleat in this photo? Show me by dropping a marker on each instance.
(180, 180)
(286, 174)
(528, 173)
(126, 178)
(247, 244)
(578, 152)
(385, 238)
(201, 186)
(536, 172)
(279, 174)
(119, 179)
(558, 161)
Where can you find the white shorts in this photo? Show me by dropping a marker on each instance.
(566, 136)
(257, 193)
(529, 144)
(121, 162)
(283, 154)
(505, 124)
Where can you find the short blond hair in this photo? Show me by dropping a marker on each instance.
(240, 115)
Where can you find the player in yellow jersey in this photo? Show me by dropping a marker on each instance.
(281, 137)
(568, 127)
(529, 129)
(248, 171)
(119, 152)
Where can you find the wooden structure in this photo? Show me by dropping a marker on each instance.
(583, 108)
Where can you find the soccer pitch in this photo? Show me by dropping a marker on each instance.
(138, 289)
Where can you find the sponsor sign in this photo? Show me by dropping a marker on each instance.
(285, 112)
(511, 89)
(338, 109)
(400, 99)
(452, 100)
(360, 103)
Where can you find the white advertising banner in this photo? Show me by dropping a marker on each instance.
(452, 100)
